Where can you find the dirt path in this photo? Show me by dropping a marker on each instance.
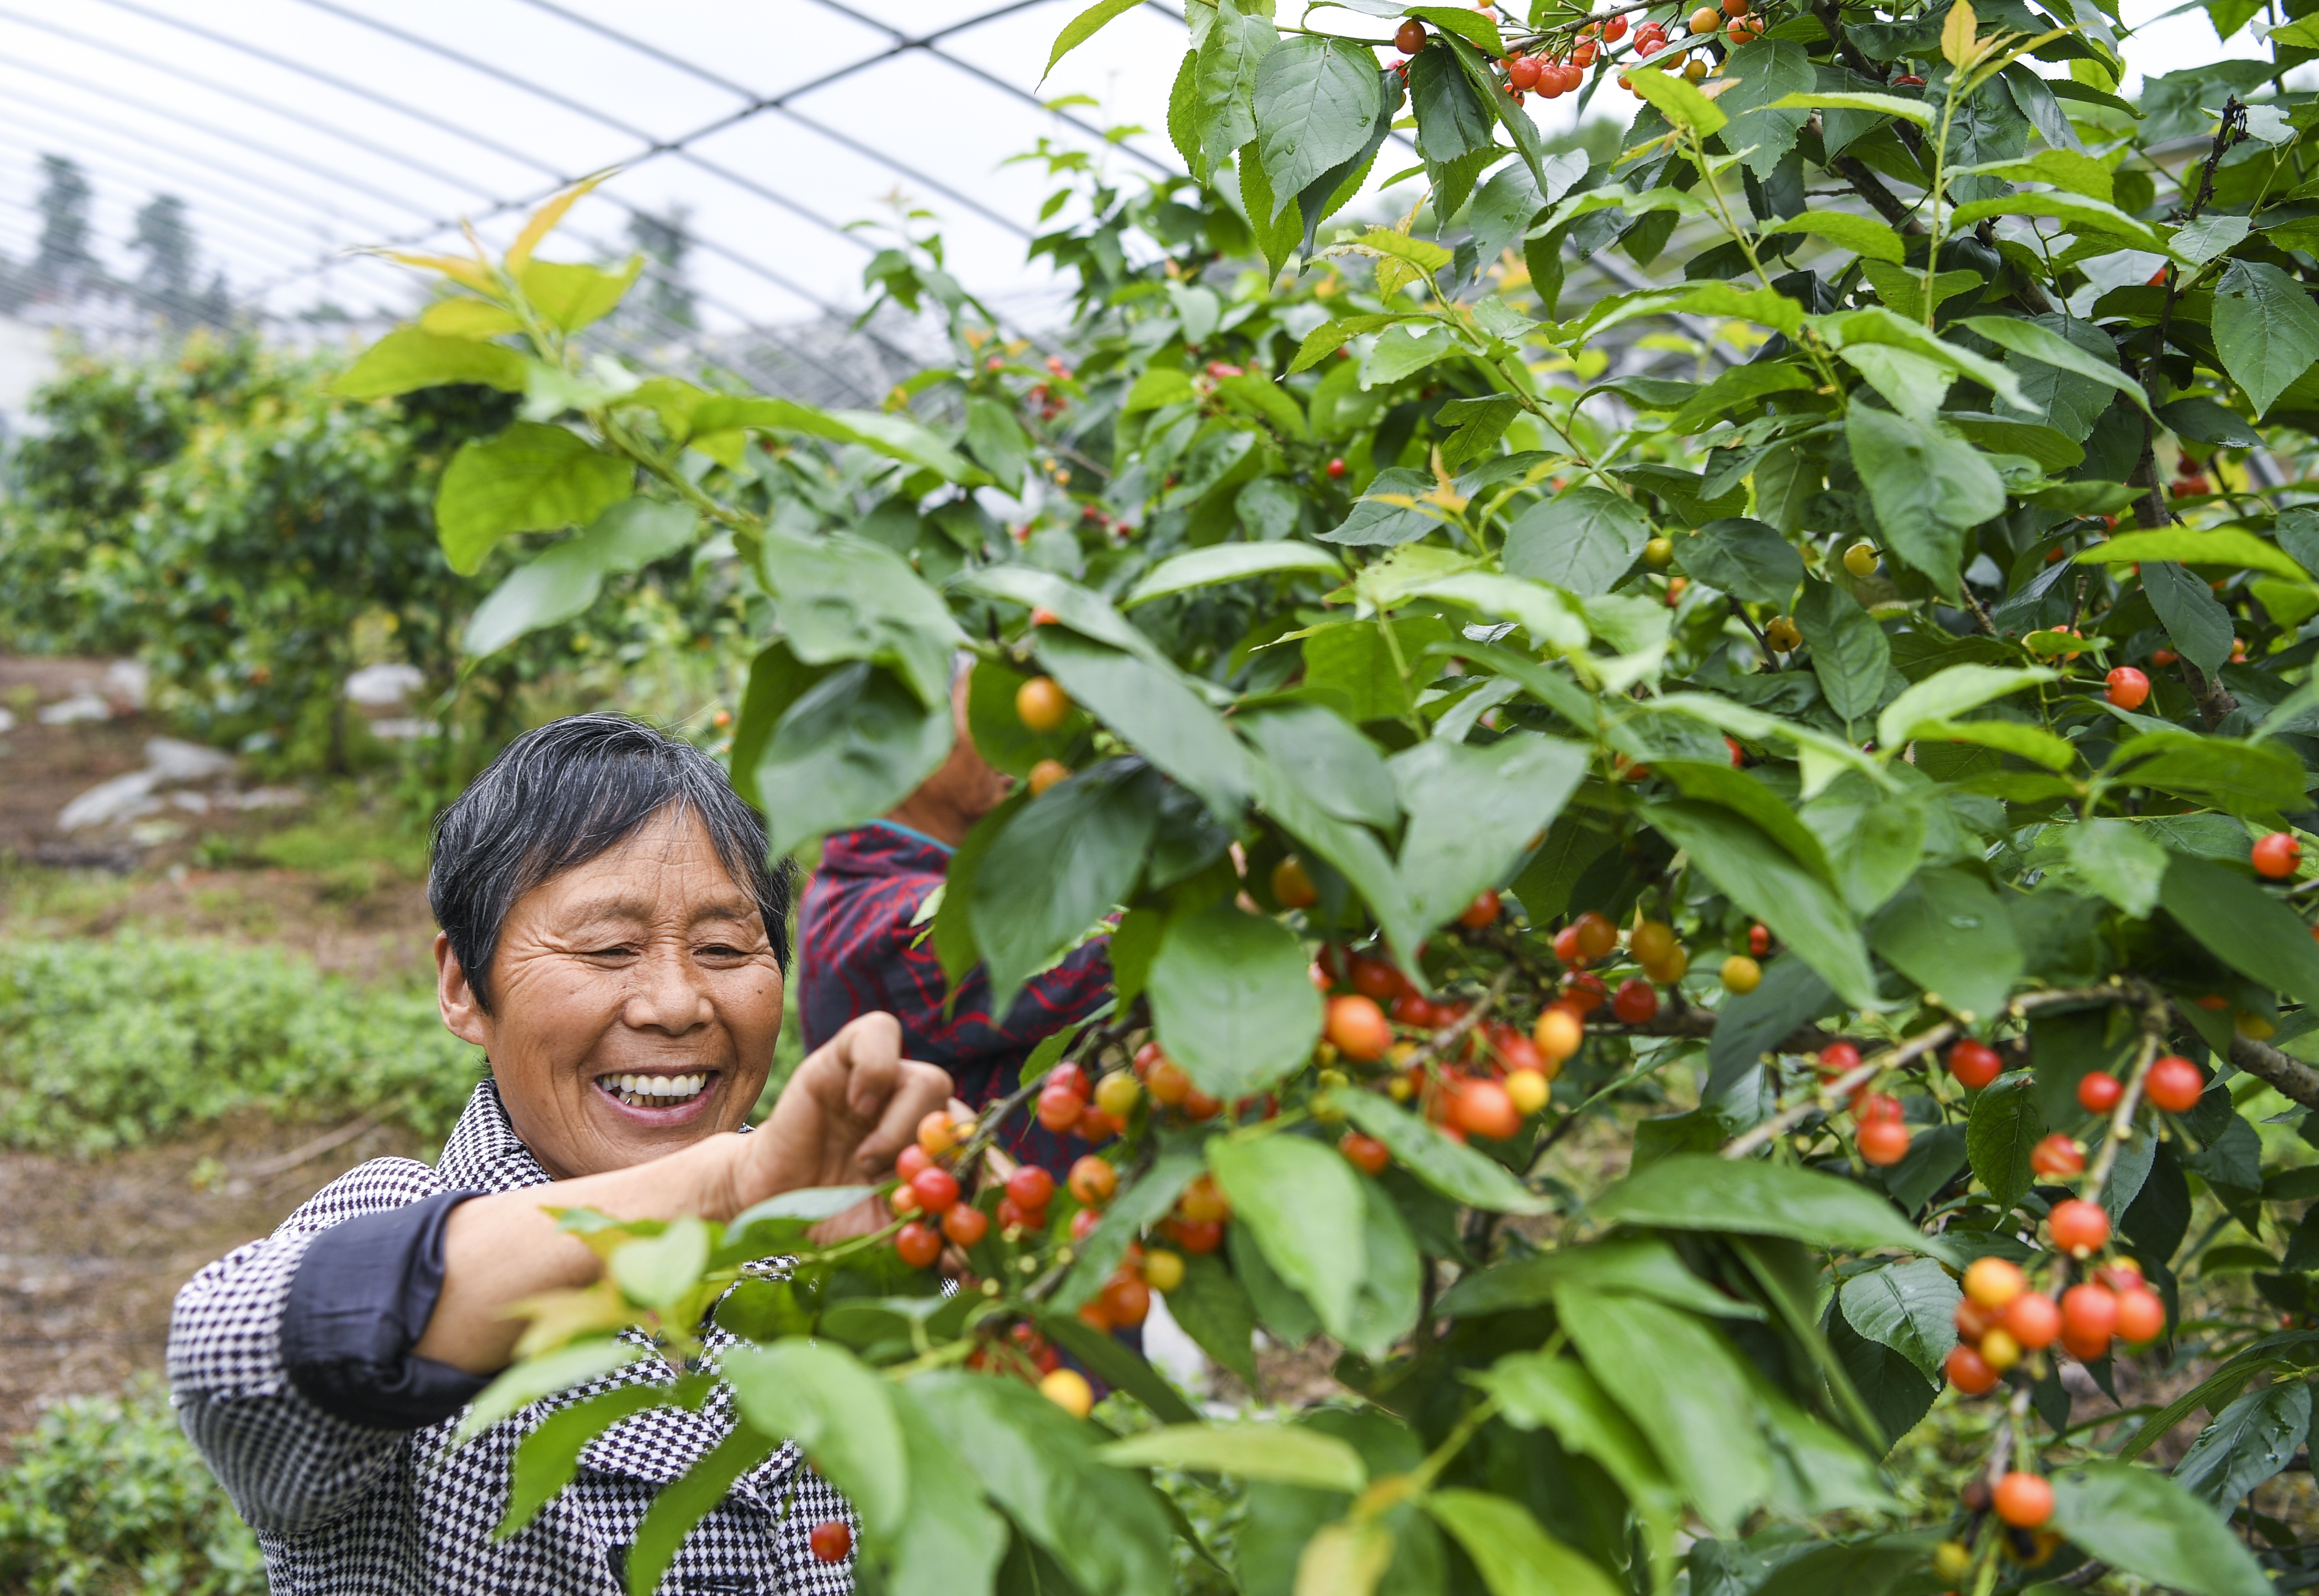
(95, 1252)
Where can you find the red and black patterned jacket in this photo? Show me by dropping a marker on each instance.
(858, 952)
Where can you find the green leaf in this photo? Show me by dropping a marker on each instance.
(2003, 1129)
(465, 317)
(1456, 1171)
(1551, 620)
(895, 437)
(1349, 848)
(569, 297)
(1302, 1203)
(2265, 330)
(2244, 926)
(1742, 557)
(1539, 1391)
(2228, 546)
(1929, 488)
(1696, 1191)
(1184, 114)
(2196, 622)
(1910, 1307)
(1755, 1022)
(2143, 1524)
(2120, 861)
(1038, 1465)
(1212, 1308)
(2082, 215)
(1511, 1553)
(1947, 694)
(1641, 1266)
(997, 440)
(2247, 1443)
(1681, 1381)
(1084, 27)
(1451, 119)
(1276, 229)
(563, 581)
(2256, 779)
(1764, 879)
(1472, 812)
(1755, 75)
(1330, 337)
(548, 1458)
(1069, 857)
(1474, 27)
(1111, 1361)
(534, 1378)
(1232, 999)
(1224, 81)
(1228, 562)
(2034, 743)
(999, 735)
(1672, 96)
(684, 1501)
(1850, 655)
(951, 1540)
(1159, 385)
(657, 1270)
(838, 1410)
(1287, 1452)
(2026, 337)
(1315, 99)
(850, 746)
(1948, 932)
(530, 478)
(1151, 708)
(1583, 540)
(1716, 782)
(1908, 109)
(2063, 169)
(410, 358)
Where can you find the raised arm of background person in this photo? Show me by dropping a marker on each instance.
(849, 1110)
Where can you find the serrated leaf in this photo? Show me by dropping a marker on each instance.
(1451, 1168)
(1302, 1203)
(1231, 1000)
(2266, 331)
(1084, 27)
(2230, 546)
(1698, 1192)
(1863, 235)
(2145, 1525)
(530, 478)
(1511, 1553)
(412, 358)
(1288, 1453)
(1910, 1307)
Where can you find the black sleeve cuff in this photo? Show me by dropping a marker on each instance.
(360, 1301)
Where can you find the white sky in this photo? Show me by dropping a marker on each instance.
(295, 129)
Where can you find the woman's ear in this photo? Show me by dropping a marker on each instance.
(462, 1012)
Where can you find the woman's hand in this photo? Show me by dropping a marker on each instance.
(844, 1117)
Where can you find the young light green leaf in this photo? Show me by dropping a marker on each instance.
(1511, 1553)
(1456, 1171)
(1672, 96)
(2024, 337)
(565, 579)
(534, 1378)
(1863, 235)
(530, 478)
(657, 1270)
(1908, 109)
(1946, 694)
(412, 358)
(834, 1407)
(1288, 1453)
(1228, 561)
(1698, 1192)
(2229, 547)
(1084, 27)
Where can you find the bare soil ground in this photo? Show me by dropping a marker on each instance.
(93, 1252)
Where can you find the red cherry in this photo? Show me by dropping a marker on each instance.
(1968, 1371)
(831, 1540)
(1376, 980)
(2079, 1228)
(1567, 949)
(1759, 940)
(1059, 1111)
(965, 1224)
(1083, 1223)
(1335, 468)
(1584, 993)
(1884, 1142)
(1195, 1235)
(2277, 855)
(2128, 688)
(1484, 1108)
(1615, 29)
(935, 1189)
(1358, 1029)
(1839, 1058)
(2163, 656)
(1094, 1124)
(2058, 1155)
(1975, 1064)
(2024, 1500)
(1367, 1154)
(1876, 1105)
(919, 1244)
(2140, 1314)
(2033, 1320)
(1030, 1186)
(1410, 36)
(1481, 912)
(1093, 1180)
(1637, 1001)
(1126, 1300)
(2089, 1313)
(2174, 1084)
(1013, 1215)
(1522, 71)
(1066, 1078)
(913, 1160)
(2098, 1091)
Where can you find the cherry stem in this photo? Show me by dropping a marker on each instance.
(2121, 1119)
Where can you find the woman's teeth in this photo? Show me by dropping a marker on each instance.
(652, 1091)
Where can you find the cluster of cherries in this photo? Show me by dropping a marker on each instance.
(1069, 1105)
(2000, 1319)
(928, 1188)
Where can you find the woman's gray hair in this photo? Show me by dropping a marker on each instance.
(567, 792)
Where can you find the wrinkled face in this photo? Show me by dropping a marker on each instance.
(635, 1001)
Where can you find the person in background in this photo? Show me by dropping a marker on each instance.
(862, 948)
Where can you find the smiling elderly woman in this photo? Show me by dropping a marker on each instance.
(614, 939)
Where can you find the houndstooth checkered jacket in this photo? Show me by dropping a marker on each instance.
(353, 1511)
